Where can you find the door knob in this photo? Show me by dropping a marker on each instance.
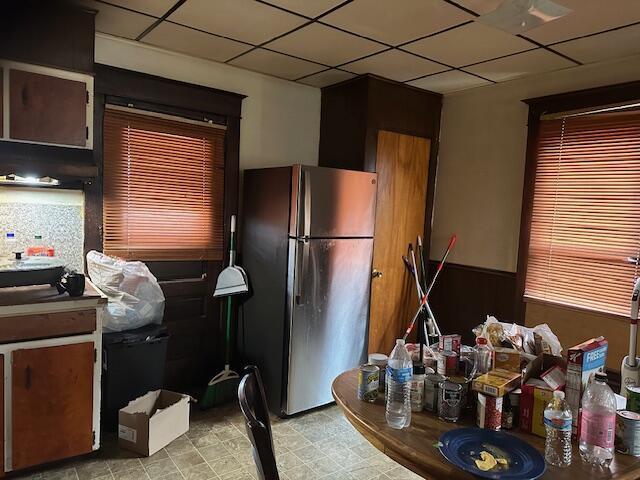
(376, 274)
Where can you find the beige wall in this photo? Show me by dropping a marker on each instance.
(280, 119)
(481, 162)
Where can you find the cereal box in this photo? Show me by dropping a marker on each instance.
(583, 361)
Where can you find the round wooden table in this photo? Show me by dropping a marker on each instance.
(416, 447)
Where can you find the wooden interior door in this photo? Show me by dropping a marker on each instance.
(52, 403)
(44, 108)
(402, 164)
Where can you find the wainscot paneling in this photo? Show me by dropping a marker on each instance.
(463, 296)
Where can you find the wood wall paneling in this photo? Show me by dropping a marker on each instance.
(47, 33)
(463, 297)
(402, 165)
(355, 110)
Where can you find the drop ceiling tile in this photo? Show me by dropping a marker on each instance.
(394, 24)
(451, 81)
(244, 20)
(194, 42)
(310, 8)
(276, 64)
(326, 78)
(326, 45)
(396, 65)
(520, 65)
(468, 44)
(588, 16)
(480, 6)
(157, 8)
(618, 43)
(118, 21)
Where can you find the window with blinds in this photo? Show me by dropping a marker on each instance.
(163, 187)
(585, 228)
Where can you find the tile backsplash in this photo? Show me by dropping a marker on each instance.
(57, 215)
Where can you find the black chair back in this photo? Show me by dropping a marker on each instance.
(253, 404)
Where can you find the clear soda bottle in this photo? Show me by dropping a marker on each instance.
(557, 420)
(483, 356)
(399, 375)
(598, 422)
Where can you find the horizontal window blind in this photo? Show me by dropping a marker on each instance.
(163, 187)
(585, 226)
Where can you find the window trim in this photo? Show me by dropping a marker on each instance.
(539, 106)
(162, 95)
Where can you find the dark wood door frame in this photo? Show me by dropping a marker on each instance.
(562, 102)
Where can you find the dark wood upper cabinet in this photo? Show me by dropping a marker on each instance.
(47, 109)
(52, 403)
(52, 33)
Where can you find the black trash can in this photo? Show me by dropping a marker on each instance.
(133, 363)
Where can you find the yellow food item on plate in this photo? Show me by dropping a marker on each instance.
(487, 463)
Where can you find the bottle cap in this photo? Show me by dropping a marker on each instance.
(602, 376)
(558, 394)
(418, 369)
(481, 341)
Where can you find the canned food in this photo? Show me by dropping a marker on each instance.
(462, 381)
(628, 432)
(489, 411)
(431, 386)
(450, 342)
(380, 360)
(447, 363)
(633, 398)
(449, 401)
(368, 380)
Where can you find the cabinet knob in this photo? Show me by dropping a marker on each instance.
(376, 274)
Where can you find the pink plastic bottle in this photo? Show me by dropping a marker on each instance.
(598, 423)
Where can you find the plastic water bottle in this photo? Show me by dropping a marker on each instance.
(557, 420)
(598, 422)
(399, 374)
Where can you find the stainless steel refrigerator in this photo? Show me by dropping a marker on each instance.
(307, 246)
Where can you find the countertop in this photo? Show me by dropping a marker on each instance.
(45, 294)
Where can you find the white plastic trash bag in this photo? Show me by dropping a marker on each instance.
(135, 297)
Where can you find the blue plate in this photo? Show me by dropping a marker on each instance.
(463, 445)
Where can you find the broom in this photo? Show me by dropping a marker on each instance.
(232, 281)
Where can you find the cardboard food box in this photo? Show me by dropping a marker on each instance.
(496, 383)
(149, 423)
(536, 394)
(583, 361)
(534, 399)
(506, 359)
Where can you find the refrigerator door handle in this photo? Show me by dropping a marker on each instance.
(306, 176)
(301, 270)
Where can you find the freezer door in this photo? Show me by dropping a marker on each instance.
(332, 203)
(329, 298)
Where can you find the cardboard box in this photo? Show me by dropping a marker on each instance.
(536, 394)
(496, 383)
(583, 361)
(506, 359)
(533, 400)
(149, 423)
